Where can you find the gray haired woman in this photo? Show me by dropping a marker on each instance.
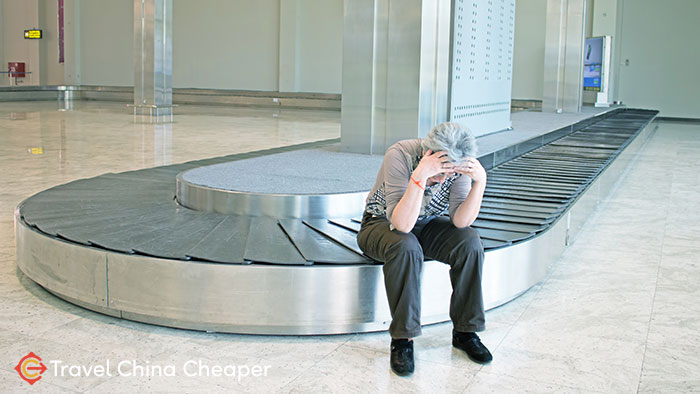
(404, 222)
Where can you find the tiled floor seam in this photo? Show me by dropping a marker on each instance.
(281, 390)
(534, 297)
(587, 390)
(656, 286)
(77, 317)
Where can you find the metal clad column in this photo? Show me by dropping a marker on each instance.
(153, 93)
(358, 76)
(563, 57)
(402, 71)
(395, 70)
(435, 64)
(71, 68)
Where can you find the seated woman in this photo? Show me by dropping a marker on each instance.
(420, 181)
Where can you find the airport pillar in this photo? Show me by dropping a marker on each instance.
(153, 93)
(71, 68)
(395, 71)
(563, 55)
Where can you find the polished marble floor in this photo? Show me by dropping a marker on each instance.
(618, 313)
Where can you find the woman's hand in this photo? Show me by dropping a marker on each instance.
(437, 163)
(468, 211)
(473, 169)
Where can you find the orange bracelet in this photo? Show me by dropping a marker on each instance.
(417, 183)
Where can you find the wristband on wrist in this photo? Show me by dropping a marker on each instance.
(417, 183)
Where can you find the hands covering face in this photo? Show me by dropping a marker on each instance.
(435, 165)
(473, 169)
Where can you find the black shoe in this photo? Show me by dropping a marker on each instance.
(402, 356)
(470, 343)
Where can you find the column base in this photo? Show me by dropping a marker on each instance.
(152, 113)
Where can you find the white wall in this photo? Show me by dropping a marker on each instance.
(320, 47)
(528, 49)
(40, 56)
(217, 44)
(106, 42)
(660, 40)
(17, 17)
(71, 70)
(222, 44)
(310, 46)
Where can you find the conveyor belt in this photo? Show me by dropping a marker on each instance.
(134, 212)
(555, 173)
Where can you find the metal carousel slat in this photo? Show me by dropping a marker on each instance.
(540, 176)
(122, 235)
(499, 225)
(520, 181)
(317, 248)
(225, 243)
(513, 219)
(566, 159)
(268, 243)
(548, 169)
(552, 162)
(339, 234)
(502, 235)
(514, 206)
(523, 198)
(526, 186)
(32, 217)
(529, 191)
(540, 204)
(534, 215)
(179, 236)
(493, 244)
(349, 224)
(97, 221)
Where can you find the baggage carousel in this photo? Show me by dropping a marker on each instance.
(214, 245)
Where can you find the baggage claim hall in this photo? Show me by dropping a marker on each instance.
(458, 196)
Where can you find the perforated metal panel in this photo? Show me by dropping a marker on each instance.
(482, 64)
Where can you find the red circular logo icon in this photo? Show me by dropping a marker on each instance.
(30, 368)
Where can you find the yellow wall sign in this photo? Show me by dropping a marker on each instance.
(34, 34)
(36, 151)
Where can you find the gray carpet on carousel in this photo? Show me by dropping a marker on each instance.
(307, 171)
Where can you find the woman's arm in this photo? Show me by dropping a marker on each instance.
(469, 209)
(407, 209)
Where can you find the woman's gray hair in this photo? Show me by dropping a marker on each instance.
(457, 140)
